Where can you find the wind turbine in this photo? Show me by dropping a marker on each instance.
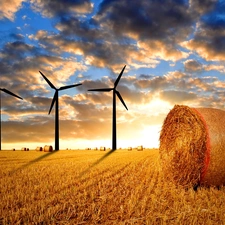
(115, 92)
(56, 101)
(10, 93)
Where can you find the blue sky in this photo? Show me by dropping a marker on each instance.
(174, 51)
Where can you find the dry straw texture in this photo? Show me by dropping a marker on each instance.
(192, 143)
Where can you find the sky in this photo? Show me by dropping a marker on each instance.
(174, 52)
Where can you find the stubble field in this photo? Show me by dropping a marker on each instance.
(127, 187)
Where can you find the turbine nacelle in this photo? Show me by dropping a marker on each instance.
(56, 90)
(113, 89)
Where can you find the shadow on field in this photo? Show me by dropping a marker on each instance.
(51, 153)
(97, 162)
(33, 161)
(80, 178)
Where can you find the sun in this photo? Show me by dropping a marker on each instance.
(150, 136)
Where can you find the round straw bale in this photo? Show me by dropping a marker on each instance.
(102, 148)
(23, 149)
(48, 148)
(39, 148)
(140, 148)
(192, 146)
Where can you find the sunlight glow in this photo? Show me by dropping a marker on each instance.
(151, 136)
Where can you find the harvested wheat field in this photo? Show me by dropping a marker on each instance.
(127, 187)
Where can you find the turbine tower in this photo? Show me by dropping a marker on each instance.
(115, 92)
(56, 101)
(10, 93)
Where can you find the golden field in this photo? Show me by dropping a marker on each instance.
(127, 187)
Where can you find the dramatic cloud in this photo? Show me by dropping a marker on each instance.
(209, 39)
(9, 8)
(174, 52)
(158, 29)
(192, 66)
(161, 50)
(201, 7)
(177, 97)
(172, 20)
(60, 8)
(220, 68)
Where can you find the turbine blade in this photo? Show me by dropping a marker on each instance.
(47, 80)
(10, 93)
(52, 104)
(102, 89)
(121, 99)
(118, 78)
(69, 86)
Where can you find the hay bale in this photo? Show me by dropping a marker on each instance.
(48, 148)
(102, 148)
(14, 149)
(192, 144)
(129, 148)
(23, 149)
(140, 148)
(39, 149)
(28, 149)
